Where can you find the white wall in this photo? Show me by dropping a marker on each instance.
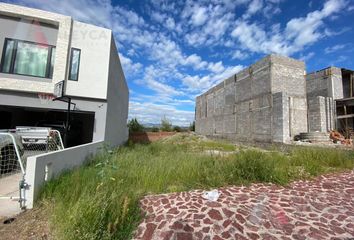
(31, 84)
(46, 166)
(94, 43)
(117, 101)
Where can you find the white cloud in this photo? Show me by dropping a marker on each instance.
(196, 61)
(254, 7)
(334, 48)
(304, 31)
(206, 22)
(198, 84)
(298, 33)
(157, 78)
(253, 38)
(162, 88)
(239, 55)
(153, 113)
(129, 66)
(82, 10)
(158, 17)
(170, 23)
(199, 16)
(216, 67)
(307, 57)
(336, 32)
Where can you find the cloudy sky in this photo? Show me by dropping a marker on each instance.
(172, 51)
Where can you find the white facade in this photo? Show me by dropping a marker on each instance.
(100, 87)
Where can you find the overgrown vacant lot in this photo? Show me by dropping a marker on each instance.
(101, 199)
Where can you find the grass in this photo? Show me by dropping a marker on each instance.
(100, 200)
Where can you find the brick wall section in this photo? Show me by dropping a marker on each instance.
(63, 43)
(257, 103)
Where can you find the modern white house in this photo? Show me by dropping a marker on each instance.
(39, 49)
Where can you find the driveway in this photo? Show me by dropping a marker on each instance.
(9, 187)
(319, 209)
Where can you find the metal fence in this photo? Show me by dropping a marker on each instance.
(11, 150)
(19, 144)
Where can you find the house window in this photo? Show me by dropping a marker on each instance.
(27, 58)
(74, 64)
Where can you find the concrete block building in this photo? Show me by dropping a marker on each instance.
(265, 102)
(39, 49)
(330, 95)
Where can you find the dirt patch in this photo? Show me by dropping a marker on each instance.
(31, 225)
(147, 137)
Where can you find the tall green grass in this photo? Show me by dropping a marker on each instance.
(100, 200)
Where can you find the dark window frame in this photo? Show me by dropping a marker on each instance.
(14, 53)
(71, 64)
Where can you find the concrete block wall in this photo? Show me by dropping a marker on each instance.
(297, 115)
(323, 87)
(253, 105)
(320, 114)
(326, 83)
(280, 115)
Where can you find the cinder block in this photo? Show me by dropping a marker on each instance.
(254, 103)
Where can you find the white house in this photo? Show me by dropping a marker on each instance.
(39, 49)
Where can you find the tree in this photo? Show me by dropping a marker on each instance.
(192, 126)
(177, 129)
(135, 126)
(154, 129)
(166, 125)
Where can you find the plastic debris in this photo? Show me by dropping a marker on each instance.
(212, 195)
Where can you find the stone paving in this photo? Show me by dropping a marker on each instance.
(322, 208)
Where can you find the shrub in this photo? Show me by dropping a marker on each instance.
(166, 125)
(177, 129)
(192, 126)
(135, 126)
(154, 129)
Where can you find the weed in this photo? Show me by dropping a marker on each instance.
(100, 200)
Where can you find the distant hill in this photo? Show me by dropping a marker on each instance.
(151, 125)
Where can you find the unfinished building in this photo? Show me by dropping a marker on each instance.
(330, 100)
(274, 100)
(265, 102)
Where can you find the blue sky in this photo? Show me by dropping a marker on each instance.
(172, 51)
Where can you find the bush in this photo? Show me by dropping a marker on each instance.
(177, 129)
(135, 126)
(155, 129)
(192, 126)
(166, 125)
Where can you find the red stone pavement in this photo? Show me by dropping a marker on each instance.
(322, 208)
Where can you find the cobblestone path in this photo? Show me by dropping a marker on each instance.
(322, 208)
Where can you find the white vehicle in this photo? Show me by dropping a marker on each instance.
(40, 138)
(33, 135)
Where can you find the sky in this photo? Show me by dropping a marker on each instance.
(172, 51)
